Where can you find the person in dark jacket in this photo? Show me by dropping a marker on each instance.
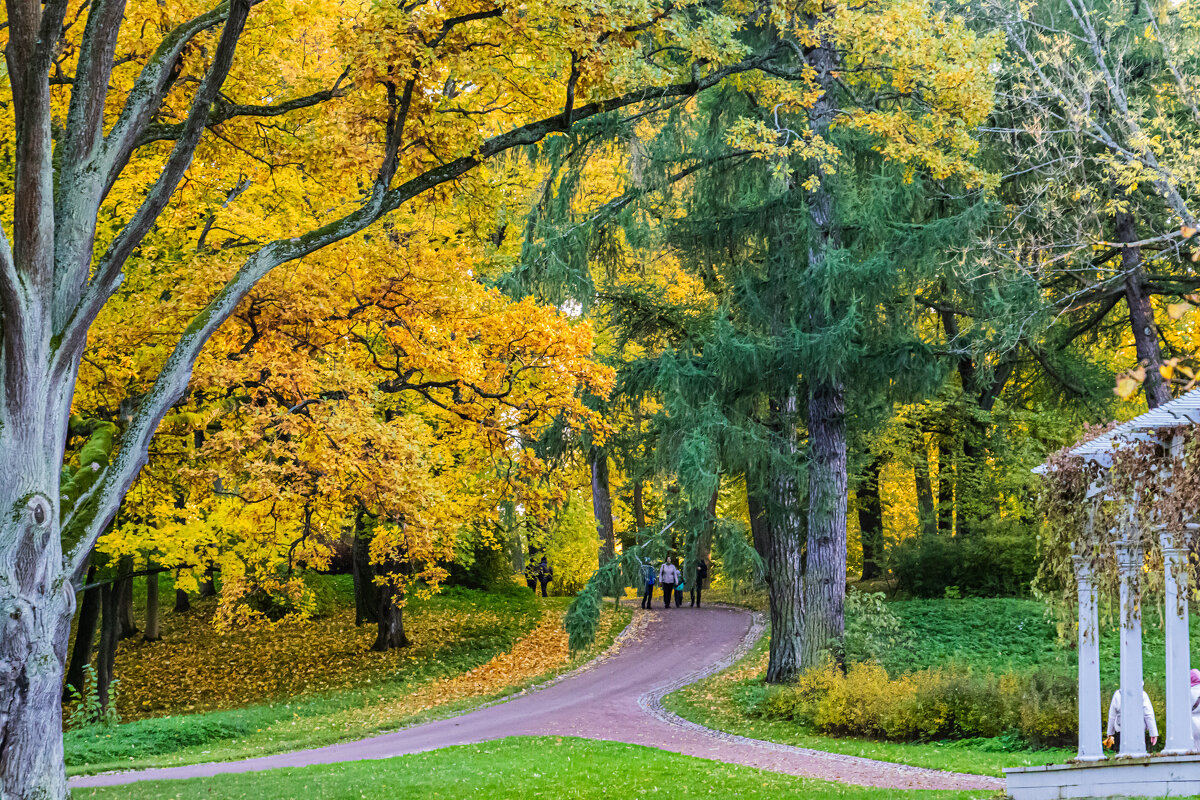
(545, 574)
(698, 579)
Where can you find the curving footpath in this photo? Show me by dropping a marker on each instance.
(616, 698)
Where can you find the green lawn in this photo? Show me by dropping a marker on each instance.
(324, 718)
(532, 768)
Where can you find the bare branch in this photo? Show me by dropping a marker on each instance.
(225, 111)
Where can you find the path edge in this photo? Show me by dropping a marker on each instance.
(651, 703)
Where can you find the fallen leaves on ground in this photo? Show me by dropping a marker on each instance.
(196, 668)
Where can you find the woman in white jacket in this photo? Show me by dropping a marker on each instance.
(1149, 724)
(668, 576)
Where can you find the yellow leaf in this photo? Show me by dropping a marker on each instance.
(1126, 386)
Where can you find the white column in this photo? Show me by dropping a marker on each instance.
(1129, 566)
(1090, 746)
(1179, 696)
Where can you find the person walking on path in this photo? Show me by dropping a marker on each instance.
(545, 574)
(1149, 724)
(679, 587)
(648, 582)
(668, 576)
(698, 582)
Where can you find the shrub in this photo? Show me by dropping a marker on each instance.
(85, 709)
(1048, 710)
(481, 561)
(871, 627)
(951, 702)
(999, 559)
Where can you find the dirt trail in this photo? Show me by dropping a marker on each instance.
(617, 699)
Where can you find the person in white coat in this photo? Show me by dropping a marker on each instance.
(1149, 724)
(668, 576)
(1196, 710)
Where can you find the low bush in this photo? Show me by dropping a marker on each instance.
(934, 704)
(998, 560)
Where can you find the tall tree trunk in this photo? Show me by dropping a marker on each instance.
(1141, 314)
(825, 558)
(390, 620)
(825, 574)
(182, 603)
(926, 514)
(129, 627)
(639, 504)
(85, 637)
(704, 543)
(602, 504)
(366, 593)
(870, 519)
(945, 493)
(760, 530)
(969, 503)
(152, 633)
(783, 545)
(639, 487)
(110, 635)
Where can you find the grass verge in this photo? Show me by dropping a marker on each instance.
(547, 768)
(443, 681)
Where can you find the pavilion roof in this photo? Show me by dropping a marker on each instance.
(1183, 410)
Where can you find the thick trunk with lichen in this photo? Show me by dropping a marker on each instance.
(37, 598)
(37, 602)
(33, 634)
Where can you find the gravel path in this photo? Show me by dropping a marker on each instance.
(618, 698)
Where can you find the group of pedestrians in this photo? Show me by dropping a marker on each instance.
(1149, 723)
(673, 582)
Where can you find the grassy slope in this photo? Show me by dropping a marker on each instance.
(323, 718)
(997, 634)
(535, 769)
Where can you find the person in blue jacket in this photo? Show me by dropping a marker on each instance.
(648, 573)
